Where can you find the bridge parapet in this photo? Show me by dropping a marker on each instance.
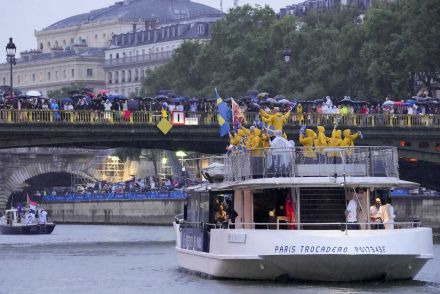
(152, 118)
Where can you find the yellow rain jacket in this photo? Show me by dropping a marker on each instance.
(299, 113)
(256, 143)
(265, 142)
(307, 142)
(335, 141)
(276, 120)
(321, 141)
(349, 138)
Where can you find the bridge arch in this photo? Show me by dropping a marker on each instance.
(15, 181)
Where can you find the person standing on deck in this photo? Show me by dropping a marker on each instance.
(351, 214)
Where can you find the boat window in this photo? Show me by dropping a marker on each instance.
(273, 206)
(222, 207)
(198, 208)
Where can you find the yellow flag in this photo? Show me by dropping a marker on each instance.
(164, 126)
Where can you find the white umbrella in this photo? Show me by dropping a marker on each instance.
(388, 102)
(33, 93)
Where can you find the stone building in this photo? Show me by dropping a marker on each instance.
(45, 72)
(130, 55)
(72, 50)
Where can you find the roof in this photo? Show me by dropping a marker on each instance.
(129, 10)
(83, 52)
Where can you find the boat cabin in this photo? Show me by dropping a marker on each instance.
(288, 192)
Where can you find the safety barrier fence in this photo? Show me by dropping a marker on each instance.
(152, 195)
(211, 119)
(311, 162)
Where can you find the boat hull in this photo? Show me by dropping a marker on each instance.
(329, 268)
(335, 257)
(27, 229)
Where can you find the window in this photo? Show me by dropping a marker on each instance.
(4, 81)
(96, 36)
(201, 29)
(56, 44)
(136, 91)
(33, 78)
(129, 75)
(41, 46)
(136, 75)
(110, 77)
(143, 51)
(18, 79)
(72, 73)
(56, 75)
(90, 72)
(65, 74)
(142, 74)
(48, 45)
(72, 41)
(117, 55)
(123, 76)
(48, 76)
(116, 77)
(111, 56)
(404, 144)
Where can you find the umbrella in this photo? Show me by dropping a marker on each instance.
(193, 100)
(285, 101)
(411, 101)
(22, 96)
(279, 97)
(346, 100)
(319, 101)
(398, 103)
(33, 93)
(133, 105)
(270, 100)
(148, 98)
(67, 100)
(103, 92)
(179, 99)
(263, 95)
(161, 97)
(388, 103)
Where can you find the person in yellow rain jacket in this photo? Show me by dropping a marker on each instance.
(348, 141)
(335, 141)
(256, 153)
(265, 141)
(320, 143)
(307, 141)
(276, 119)
(349, 138)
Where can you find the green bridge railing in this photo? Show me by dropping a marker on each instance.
(210, 118)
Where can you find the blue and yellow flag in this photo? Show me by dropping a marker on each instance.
(224, 115)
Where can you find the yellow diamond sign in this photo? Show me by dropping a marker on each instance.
(164, 126)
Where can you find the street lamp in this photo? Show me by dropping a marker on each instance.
(10, 57)
(287, 53)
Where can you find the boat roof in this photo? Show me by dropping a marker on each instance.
(298, 182)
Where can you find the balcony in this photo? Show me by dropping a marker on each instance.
(139, 59)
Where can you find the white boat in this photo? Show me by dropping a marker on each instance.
(14, 223)
(291, 221)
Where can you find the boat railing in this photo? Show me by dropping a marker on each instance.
(360, 161)
(319, 226)
(297, 226)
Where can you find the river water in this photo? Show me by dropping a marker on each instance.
(128, 259)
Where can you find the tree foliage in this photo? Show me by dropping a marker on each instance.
(394, 51)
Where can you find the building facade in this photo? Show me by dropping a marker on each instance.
(46, 72)
(72, 50)
(131, 55)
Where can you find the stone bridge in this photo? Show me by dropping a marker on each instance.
(416, 136)
(19, 165)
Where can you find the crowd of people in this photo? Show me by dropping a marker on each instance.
(105, 101)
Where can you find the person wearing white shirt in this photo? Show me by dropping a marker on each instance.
(42, 217)
(376, 215)
(387, 212)
(351, 214)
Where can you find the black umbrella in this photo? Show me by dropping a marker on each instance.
(346, 100)
(148, 98)
(133, 105)
(279, 97)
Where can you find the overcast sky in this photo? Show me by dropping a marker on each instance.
(21, 17)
